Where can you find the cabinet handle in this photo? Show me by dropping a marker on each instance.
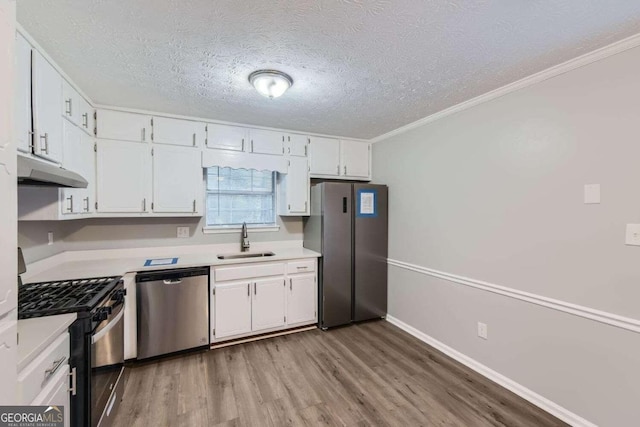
(74, 381)
(242, 145)
(46, 142)
(85, 120)
(194, 206)
(302, 268)
(255, 288)
(68, 108)
(86, 207)
(252, 145)
(144, 205)
(305, 149)
(194, 139)
(345, 170)
(52, 370)
(291, 284)
(70, 207)
(144, 134)
(248, 289)
(338, 169)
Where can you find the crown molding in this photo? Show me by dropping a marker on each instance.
(572, 64)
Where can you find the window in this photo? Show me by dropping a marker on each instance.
(235, 196)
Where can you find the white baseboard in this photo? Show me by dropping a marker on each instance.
(527, 394)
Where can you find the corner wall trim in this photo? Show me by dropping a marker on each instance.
(522, 391)
(572, 64)
(623, 322)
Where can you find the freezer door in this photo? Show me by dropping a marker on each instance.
(336, 274)
(370, 251)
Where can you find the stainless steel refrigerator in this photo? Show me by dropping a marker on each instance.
(349, 227)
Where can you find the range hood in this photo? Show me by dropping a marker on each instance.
(42, 174)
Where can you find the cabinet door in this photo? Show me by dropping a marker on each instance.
(324, 156)
(232, 309)
(123, 172)
(268, 304)
(56, 393)
(23, 95)
(178, 132)
(266, 142)
(123, 126)
(70, 103)
(301, 299)
(87, 116)
(47, 114)
(177, 179)
(73, 159)
(296, 188)
(87, 196)
(355, 157)
(9, 357)
(224, 137)
(297, 145)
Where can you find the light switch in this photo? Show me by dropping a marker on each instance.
(183, 232)
(633, 235)
(592, 194)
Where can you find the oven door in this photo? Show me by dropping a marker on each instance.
(107, 366)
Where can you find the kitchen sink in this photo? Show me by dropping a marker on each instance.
(246, 255)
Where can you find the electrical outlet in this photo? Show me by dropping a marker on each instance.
(50, 237)
(183, 232)
(633, 235)
(592, 194)
(482, 330)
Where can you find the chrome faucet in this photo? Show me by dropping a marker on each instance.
(244, 247)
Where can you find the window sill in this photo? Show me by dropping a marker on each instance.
(234, 229)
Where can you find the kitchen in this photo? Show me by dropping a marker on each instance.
(222, 227)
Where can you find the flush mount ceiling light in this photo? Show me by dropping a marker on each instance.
(270, 83)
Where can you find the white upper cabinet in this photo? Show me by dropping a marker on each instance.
(355, 159)
(266, 141)
(232, 309)
(178, 132)
(47, 101)
(177, 179)
(268, 309)
(80, 158)
(71, 103)
(301, 300)
(294, 188)
(23, 128)
(223, 137)
(123, 126)
(324, 156)
(123, 175)
(297, 145)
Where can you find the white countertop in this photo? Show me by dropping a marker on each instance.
(89, 264)
(34, 335)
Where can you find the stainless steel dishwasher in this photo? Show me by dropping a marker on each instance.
(173, 310)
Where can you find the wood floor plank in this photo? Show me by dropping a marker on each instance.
(369, 374)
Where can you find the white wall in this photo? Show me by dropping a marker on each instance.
(495, 193)
(114, 233)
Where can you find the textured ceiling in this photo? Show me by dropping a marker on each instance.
(361, 67)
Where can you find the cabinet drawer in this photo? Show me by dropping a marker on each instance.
(247, 271)
(41, 371)
(302, 266)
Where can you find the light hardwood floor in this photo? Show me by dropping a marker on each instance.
(370, 374)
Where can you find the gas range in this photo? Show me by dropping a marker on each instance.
(64, 296)
(97, 340)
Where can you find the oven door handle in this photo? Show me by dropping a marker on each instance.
(104, 331)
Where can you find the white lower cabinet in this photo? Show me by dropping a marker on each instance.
(251, 305)
(232, 309)
(56, 393)
(302, 302)
(268, 306)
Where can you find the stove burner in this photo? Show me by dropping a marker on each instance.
(64, 296)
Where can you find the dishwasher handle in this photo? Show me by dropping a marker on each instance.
(172, 281)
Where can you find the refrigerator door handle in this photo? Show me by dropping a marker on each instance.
(344, 205)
